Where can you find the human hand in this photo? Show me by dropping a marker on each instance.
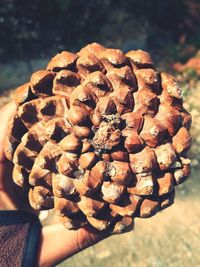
(56, 243)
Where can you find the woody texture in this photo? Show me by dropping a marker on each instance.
(101, 137)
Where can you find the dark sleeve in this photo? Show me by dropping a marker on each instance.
(19, 239)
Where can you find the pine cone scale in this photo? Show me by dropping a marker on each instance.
(101, 137)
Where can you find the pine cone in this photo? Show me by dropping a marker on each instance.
(101, 137)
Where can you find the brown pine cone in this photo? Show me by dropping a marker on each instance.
(101, 137)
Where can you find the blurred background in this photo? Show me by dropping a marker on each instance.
(31, 32)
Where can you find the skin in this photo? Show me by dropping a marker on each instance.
(56, 243)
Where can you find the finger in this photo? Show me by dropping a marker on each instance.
(5, 113)
(58, 244)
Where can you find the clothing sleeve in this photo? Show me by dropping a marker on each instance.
(19, 239)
